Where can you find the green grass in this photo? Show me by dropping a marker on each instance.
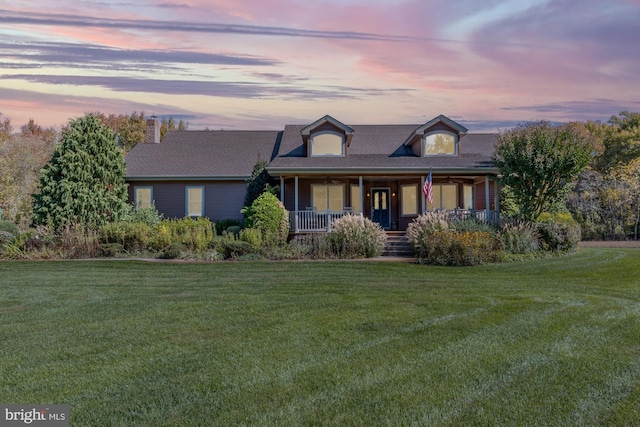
(543, 342)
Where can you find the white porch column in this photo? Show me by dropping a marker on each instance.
(361, 196)
(282, 190)
(486, 197)
(496, 197)
(423, 198)
(296, 204)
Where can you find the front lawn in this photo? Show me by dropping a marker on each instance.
(552, 341)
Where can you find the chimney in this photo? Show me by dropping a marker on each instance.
(153, 131)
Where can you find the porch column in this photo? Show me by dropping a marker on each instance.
(486, 198)
(361, 196)
(296, 204)
(496, 197)
(423, 198)
(282, 190)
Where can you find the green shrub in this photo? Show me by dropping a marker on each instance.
(223, 224)
(235, 248)
(9, 227)
(423, 226)
(149, 216)
(196, 234)
(133, 236)
(173, 251)
(471, 224)
(519, 237)
(313, 245)
(353, 236)
(233, 229)
(253, 236)
(268, 215)
(5, 237)
(449, 247)
(111, 249)
(559, 232)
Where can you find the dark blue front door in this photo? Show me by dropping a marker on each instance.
(380, 207)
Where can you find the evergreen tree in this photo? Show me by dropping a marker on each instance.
(259, 182)
(83, 183)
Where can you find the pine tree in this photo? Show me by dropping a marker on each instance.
(83, 183)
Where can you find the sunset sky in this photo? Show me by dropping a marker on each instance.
(260, 64)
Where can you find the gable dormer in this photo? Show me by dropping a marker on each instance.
(437, 137)
(327, 137)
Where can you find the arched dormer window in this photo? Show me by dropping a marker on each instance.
(327, 143)
(440, 143)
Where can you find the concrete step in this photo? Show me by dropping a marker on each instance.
(398, 246)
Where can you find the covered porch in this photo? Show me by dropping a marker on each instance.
(392, 201)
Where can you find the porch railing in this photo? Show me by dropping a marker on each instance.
(317, 220)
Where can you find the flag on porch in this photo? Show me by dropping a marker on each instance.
(428, 188)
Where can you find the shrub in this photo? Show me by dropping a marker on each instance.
(149, 216)
(173, 251)
(234, 229)
(559, 232)
(471, 224)
(196, 234)
(111, 249)
(5, 237)
(449, 247)
(133, 236)
(235, 248)
(423, 226)
(519, 237)
(9, 227)
(253, 236)
(314, 245)
(224, 224)
(268, 214)
(353, 236)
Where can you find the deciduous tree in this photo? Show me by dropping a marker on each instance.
(540, 163)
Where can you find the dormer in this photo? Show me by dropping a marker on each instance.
(438, 137)
(327, 137)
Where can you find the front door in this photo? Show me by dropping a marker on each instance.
(380, 211)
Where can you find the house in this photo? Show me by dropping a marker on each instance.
(326, 169)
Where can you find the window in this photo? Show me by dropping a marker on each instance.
(355, 198)
(327, 196)
(409, 199)
(441, 143)
(445, 196)
(327, 144)
(468, 196)
(143, 197)
(195, 201)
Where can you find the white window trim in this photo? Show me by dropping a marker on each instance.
(327, 132)
(455, 143)
(186, 200)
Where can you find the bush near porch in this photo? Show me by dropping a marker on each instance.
(438, 240)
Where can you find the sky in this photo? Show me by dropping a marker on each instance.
(261, 64)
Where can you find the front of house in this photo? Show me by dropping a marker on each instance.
(326, 169)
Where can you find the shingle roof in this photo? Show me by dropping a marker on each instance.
(201, 154)
(381, 148)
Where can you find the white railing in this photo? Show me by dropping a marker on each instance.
(316, 220)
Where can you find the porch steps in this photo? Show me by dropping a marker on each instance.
(397, 246)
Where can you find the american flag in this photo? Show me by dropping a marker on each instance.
(428, 188)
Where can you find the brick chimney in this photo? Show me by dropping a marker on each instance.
(153, 131)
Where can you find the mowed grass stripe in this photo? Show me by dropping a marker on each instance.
(551, 341)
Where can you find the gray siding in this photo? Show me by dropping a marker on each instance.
(222, 199)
